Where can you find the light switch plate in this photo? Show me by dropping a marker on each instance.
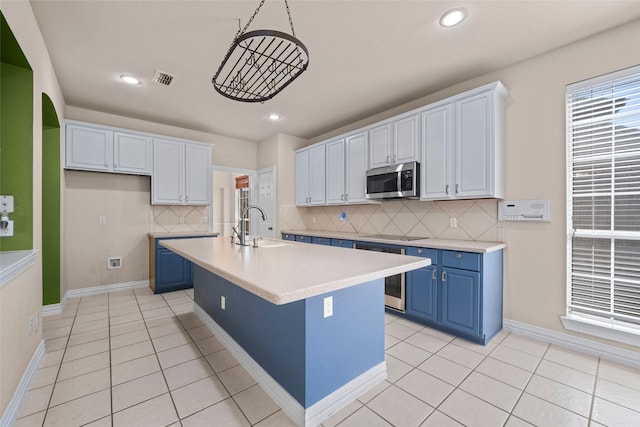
(328, 307)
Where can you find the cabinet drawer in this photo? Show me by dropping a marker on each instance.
(320, 241)
(461, 260)
(342, 243)
(287, 236)
(305, 239)
(424, 253)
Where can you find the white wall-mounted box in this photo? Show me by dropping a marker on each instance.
(524, 210)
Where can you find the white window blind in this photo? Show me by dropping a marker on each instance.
(603, 150)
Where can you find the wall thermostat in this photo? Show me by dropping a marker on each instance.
(524, 210)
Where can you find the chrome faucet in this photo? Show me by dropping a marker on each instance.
(243, 227)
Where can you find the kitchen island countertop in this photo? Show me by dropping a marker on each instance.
(282, 272)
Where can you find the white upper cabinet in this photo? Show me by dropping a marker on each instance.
(181, 173)
(103, 149)
(380, 146)
(346, 170)
(397, 141)
(335, 177)
(435, 170)
(132, 153)
(406, 139)
(197, 174)
(463, 146)
(88, 148)
(356, 168)
(310, 176)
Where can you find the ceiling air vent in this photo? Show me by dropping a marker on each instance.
(162, 78)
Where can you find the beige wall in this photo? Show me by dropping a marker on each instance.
(22, 297)
(279, 150)
(535, 268)
(124, 201)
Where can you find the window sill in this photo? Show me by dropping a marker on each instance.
(608, 329)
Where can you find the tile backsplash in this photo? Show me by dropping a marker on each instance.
(476, 219)
(178, 218)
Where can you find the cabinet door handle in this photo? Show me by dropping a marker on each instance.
(346, 197)
(387, 159)
(115, 165)
(187, 198)
(433, 274)
(444, 276)
(180, 197)
(394, 158)
(457, 188)
(342, 197)
(446, 189)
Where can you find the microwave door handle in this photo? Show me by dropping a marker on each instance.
(400, 183)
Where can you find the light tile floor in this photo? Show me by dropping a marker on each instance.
(132, 358)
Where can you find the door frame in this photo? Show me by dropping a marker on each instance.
(214, 168)
(274, 210)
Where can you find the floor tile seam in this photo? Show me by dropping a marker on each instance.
(616, 403)
(559, 406)
(593, 391)
(389, 421)
(139, 403)
(408, 392)
(86, 342)
(515, 366)
(245, 415)
(164, 377)
(479, 398)
(495, 379)
(129, 344)
(87, 355)
(563, 384)
(635, 389)
(526, 352)
(566, 365)
(522, 392)
(484, 356)
(79, 397)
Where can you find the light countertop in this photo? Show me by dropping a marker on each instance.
(452, 245)
(283, 271)
(164, 234)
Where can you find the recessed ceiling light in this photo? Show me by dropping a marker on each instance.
(130, 79)
(452, 17)
(274, 116)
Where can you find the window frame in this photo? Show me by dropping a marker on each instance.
(600, 326)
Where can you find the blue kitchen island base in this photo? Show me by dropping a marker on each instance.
(310, 365)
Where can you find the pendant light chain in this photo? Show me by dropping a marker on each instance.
(253, 16)
(286, 5)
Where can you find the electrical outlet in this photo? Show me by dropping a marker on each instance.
(315, 220)
(223, 302)
(113, 263)
(328, 307)
(102, 220)
(453, 222)
(205, 219)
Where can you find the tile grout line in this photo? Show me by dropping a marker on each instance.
(593, 393)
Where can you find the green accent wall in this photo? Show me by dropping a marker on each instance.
(16, 139)
(50, 203)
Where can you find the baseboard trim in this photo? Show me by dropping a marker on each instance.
(51, 309)
(579, 344)
(102, 289)
(11, 412)
(316, 413)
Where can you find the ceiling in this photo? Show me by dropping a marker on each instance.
(365, 56)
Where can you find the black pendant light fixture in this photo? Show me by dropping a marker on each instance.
(261, 63)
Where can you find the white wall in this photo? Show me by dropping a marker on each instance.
(20, 298)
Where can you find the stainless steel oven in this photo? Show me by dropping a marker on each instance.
(394, 286)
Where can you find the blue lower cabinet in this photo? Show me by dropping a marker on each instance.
(461, 300)
(342, 243)
(303, 239)
(169, 271)
(288, 236)
(321, 241)
(422, 286)
(460, 293)
(173, 272)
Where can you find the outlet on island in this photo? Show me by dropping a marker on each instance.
(223, 302)
(328, 307)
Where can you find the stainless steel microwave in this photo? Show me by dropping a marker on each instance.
(392, 182)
